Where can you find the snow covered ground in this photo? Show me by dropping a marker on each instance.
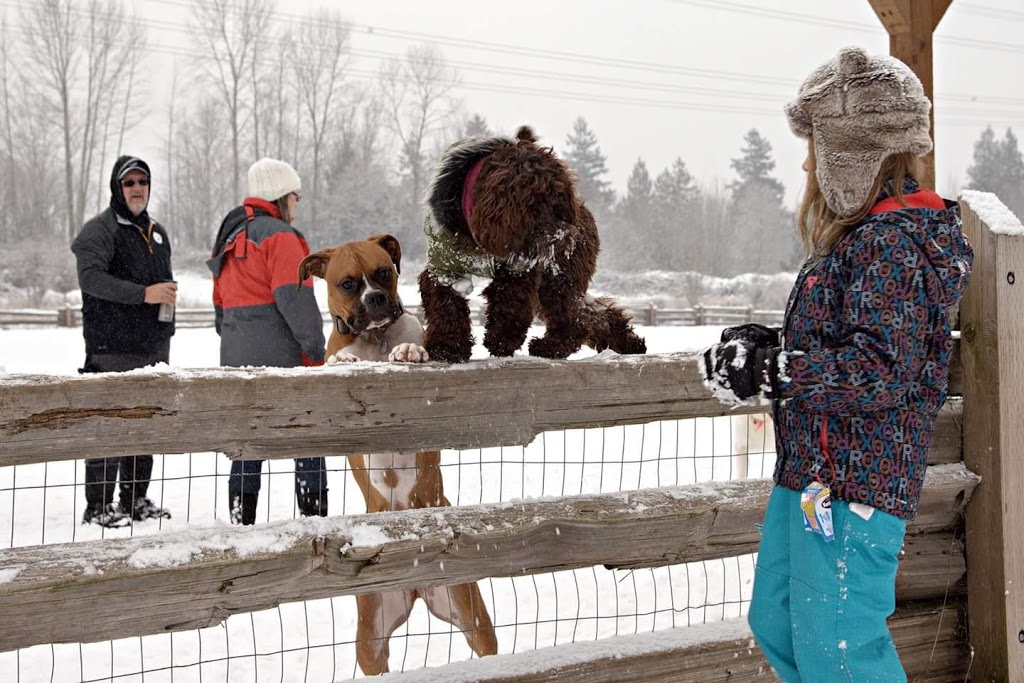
(313, 641)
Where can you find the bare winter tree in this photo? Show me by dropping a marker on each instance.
(201, 178)
(28, 167)
(123, 115)
(362, 125)
(275, 120)
(361, 199)
(28, 172)
(321, 66)
(418, 102)
(229, 34)
(79, 56)
(712, 246)
(9, 170)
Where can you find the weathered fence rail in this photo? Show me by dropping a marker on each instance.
(195, 579)
(929, 640)
(71, 316)
(344, 409)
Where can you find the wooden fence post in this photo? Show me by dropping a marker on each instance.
(66, 316)
(652, 315)
(992, 324)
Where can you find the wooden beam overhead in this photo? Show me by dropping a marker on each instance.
(894, 15)
(939, 8)
(910, 24)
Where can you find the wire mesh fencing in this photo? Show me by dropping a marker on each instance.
(315, 640)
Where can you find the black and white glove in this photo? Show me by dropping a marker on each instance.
(761, 336)
(738, 372)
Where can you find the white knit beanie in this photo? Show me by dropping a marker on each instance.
(860, 109)
(271, 179)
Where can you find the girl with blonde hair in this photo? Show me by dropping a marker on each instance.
(856, 375)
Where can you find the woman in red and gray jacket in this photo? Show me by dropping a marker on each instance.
(263, 316)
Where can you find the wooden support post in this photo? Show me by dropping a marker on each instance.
(910, 24)
(66, 316)
(992, 324)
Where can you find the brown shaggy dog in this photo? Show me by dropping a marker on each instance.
(507, 210)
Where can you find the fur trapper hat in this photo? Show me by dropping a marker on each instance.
(859, 109)
(271, 179)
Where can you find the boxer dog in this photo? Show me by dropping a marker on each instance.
(370, 324)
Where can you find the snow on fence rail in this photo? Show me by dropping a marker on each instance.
(53, 590)
(175, 581)
(700, 314)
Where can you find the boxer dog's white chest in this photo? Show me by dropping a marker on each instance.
(394, 476)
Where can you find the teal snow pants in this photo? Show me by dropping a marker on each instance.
(819, 609)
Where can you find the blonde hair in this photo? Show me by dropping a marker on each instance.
(820, 227)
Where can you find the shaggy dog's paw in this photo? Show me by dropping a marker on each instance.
(341, 357)
(408, 353)
(449, 353)
(502, 350)
(545, 347)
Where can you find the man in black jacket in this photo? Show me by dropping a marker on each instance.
(124, 271)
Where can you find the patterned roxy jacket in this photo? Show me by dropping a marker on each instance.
(869, 325)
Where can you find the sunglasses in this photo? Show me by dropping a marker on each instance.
(131, 183)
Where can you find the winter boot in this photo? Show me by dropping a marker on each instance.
(108, 515)
(242, 507)
(312, 503)
(144, 509)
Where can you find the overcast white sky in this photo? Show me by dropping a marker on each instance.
(660, 79)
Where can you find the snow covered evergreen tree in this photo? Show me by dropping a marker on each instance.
(757, 215)
(675, 223)
(476, 127)
(632, 222)
(585, 158)
(999, 168)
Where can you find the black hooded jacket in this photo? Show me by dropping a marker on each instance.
(118, 256)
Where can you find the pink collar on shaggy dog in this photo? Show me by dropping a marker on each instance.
(468, 185)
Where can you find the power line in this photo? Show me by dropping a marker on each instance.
(603, 98)
(377, 31)
(367, 76)
(782, 15)
(798, 17)
(990, 12)
(597, 80)
(491, 47)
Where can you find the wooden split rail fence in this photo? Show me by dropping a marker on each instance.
(949, 621)
(71, 316)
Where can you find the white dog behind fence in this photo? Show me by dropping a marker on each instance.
(752, 434)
